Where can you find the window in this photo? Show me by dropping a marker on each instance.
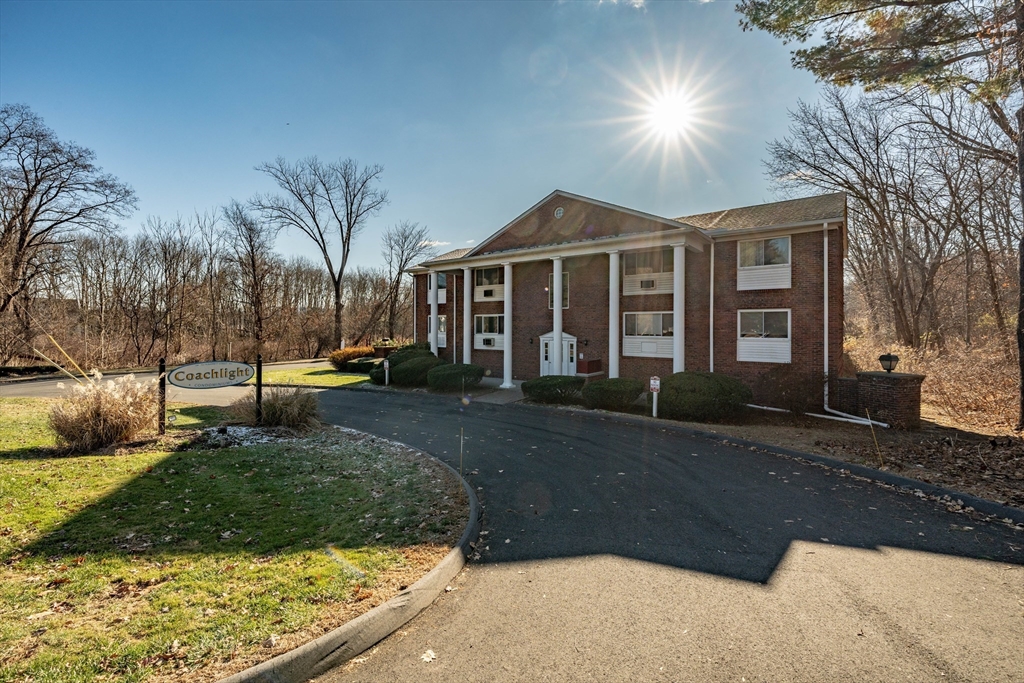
(490, 277)
(442, 329)
(770, 252)
(551, 290)
(764, 336)
(489, 332)
(648, 325)
(442, 281)
(764, 324)
(490, 284)
(647, 334)
(647, 262)
(647, 272)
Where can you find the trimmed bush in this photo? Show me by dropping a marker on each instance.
(454, 377)
(363, 365)
(413, 372)
(702, 396)
(283, 406)
(99, 414)
(341, 357)
(796, 390)
(396, 359)
(612, 394)
(553, 389)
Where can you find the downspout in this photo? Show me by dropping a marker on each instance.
(711, 315)
(454, 308)
(826, 314)
(844, 417)
(414, 321)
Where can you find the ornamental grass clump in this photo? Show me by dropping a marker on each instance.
(293, 408)
(101, 413)
(340, 358)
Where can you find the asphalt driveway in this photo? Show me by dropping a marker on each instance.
(624, 552)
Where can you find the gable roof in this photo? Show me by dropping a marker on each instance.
(451, 255)
(807, 210)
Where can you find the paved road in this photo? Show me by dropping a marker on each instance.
(617, 552)
(214, 397)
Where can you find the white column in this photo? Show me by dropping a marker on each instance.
(432, 294)
(556, 317)
(613, 314)
(507, 351)
(467, 314)
(825, 231)
(678, 307)
(711, 314)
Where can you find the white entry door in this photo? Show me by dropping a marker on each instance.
(547, 356)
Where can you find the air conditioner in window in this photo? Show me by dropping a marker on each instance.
(488, 341)
(488, 292)
(647, 284)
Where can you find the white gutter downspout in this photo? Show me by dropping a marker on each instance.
(845, 418)
(826, 314)
(413, 309)
(711, 316)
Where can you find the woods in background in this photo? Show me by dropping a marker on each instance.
(209, 286)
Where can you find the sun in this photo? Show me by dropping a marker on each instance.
(670, 114)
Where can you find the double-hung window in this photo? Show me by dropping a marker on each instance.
(764, 264)
(764, 336)
(647, 272)
(442, 288)
(647, 334)
(551, 290)
(489, 332)
(442, 329)
(489, 284)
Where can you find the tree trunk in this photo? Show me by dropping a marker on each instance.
(338, 307)
(1019, 17)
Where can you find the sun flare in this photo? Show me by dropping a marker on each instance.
(670, 114)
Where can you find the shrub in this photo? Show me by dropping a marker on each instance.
(785, 386)
(454, 377)
(283, 406)
(612, 394)
(553, 389)
(363, 365)
(341, 357)
(413, 372)
(396, 359)
(702, 396)
(100, 413)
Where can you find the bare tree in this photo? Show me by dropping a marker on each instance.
(330, 203)
(252, 245)
(48, 189)
(402, 246)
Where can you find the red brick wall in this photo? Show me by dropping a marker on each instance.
(805, 299)
(587, 315)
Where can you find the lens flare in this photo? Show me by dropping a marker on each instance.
(671, 114)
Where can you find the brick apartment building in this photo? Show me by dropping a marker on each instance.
(732, 291)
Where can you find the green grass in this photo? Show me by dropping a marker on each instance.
(319, 377)
(158, 560)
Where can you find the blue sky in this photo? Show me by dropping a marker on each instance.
(475, 110)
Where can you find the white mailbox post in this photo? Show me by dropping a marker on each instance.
(655, 389)
(387, 372)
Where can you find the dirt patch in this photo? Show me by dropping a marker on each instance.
(986, 465)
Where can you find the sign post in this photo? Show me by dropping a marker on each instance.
(655, 390)
(259, 389)
(162, 401)
(387, 372)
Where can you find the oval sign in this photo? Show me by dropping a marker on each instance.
(212, 375)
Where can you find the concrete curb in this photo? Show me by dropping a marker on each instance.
(985, 507)
(345, 642)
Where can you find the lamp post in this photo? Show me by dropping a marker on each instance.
(888, 361)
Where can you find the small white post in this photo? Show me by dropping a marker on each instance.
(655, 390)
(387, 373)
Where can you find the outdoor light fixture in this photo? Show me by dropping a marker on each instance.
(888, 361)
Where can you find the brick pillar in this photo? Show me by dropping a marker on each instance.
(891, 397)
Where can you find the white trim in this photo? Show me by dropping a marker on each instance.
(415, 320)
(556, 314)
(765, 350)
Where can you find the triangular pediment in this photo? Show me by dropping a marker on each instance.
(563, 218)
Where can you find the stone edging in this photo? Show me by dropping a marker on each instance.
(345, 642)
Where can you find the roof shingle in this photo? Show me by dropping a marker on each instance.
(819, 208)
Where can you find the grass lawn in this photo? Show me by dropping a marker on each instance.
(320, 377)
(163, 561)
